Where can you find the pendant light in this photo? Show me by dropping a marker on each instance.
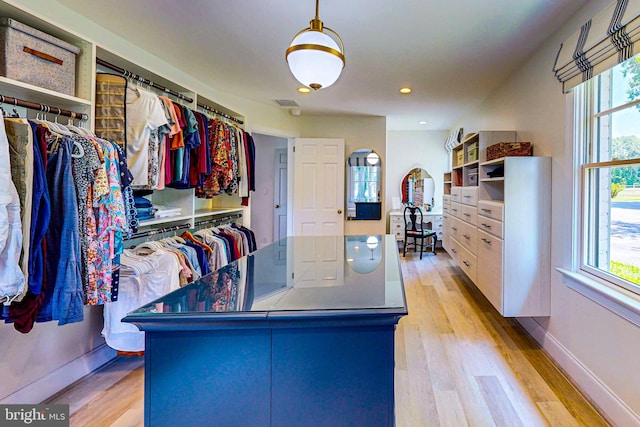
(316, 59)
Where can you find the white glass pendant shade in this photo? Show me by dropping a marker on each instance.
(315, 59)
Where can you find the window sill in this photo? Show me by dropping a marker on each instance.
(620, 301)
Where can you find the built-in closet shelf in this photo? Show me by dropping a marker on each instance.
(18, 89)
(201, 213)
(132, 66)
(499, 161)
(157, 221)
(498, 179)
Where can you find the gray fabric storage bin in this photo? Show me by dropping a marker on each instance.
(34, 57)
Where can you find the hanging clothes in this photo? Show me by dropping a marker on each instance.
(12, 280)
(20, 136)
(144, 115)
(63, 299)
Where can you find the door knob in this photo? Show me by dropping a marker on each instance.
(339, 211)
(277, 206)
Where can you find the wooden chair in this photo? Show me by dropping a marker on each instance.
(414, 229)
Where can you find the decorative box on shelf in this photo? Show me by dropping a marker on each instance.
(31, 56)
(506, 149)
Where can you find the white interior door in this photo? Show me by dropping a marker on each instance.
(280, 201)
(280, 195)
(318, 199)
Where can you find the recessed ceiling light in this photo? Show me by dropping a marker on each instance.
(405, 90)
(422, 122)
(304, 89)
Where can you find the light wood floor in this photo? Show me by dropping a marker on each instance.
(458, 363)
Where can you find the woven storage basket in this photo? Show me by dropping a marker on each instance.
(495, 151)
(518, 149)
(37, 58)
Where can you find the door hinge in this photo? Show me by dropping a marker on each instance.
(294, 148)
(292, 275)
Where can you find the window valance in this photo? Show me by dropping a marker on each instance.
(602, 42)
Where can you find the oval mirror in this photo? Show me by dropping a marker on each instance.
(364, 185)
(418, 188)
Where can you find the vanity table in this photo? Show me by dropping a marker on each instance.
(433, 217)
(266, 341)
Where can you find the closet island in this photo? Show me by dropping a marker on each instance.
(300, 332)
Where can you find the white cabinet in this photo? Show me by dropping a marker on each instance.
(497, 224)
(396, 225)
(514, 235)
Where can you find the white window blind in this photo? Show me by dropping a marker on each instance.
(604, 41)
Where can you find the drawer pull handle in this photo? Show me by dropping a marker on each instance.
(454, 251)
(466, 236)
(486, 210)
(466, 263)
(454, 229)
(42, 55)
(466, 214)
(455, 210)
(488, 242)
(486, 225)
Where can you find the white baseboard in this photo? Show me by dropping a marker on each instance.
(62, 377)
(611, 406)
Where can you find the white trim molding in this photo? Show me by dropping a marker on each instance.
(608, 403)
(45, 387)
(614, 298)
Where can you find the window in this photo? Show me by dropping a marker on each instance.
(608, 151)
(365, 183)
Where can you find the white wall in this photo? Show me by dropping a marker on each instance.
(262, 198)
(358, 132)
(596, 347)
(415, 149)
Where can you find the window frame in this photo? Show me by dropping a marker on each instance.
(613, 293)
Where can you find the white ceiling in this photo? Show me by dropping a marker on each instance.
(453, 53)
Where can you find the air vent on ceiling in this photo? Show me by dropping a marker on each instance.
(286, 103)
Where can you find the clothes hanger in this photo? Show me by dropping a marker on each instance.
(2, 101)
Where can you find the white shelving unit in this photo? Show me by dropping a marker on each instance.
(84, 99)
(496, 217)
(514, 235)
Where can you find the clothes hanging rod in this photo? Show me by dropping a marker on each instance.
(218, 220)
(220, 113)
(129, 74)
(42, 107)
(158, 231)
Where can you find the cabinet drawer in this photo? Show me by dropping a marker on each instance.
(468, 236)
(469, 214)
(446, 199)
(456, 210)
(468, 263)
(456, 194)
(453, 249)
(455, 228)
(490, 226)
(491, 209)
(490, 276)
(469, 196)
(433, 219)
(446, 208)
